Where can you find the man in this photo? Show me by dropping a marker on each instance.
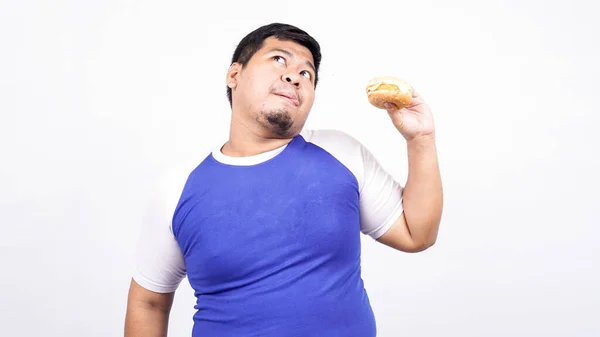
(267, 227)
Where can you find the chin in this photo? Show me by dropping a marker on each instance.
(279, 121)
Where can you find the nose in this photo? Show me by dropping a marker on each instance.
(292, 78)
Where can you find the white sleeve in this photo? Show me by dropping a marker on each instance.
(159, 262)
(380, 197)
(380, 194)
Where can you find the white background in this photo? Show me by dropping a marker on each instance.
(99, 99)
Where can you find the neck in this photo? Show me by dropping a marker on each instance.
(245, 141)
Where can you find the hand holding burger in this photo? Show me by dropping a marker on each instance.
(409, 113)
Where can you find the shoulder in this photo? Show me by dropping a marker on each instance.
(167, 190)
(329, 136)
(342, 146)
(335, 141)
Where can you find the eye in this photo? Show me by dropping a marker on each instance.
(306, 74)
(279, 59)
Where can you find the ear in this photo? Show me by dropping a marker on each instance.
(233, 75)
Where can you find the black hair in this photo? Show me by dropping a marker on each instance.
(252, 42)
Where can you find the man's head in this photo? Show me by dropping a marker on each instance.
(272, 78)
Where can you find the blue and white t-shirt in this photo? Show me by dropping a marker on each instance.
(271, 243)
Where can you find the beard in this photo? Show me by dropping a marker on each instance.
(278, 121)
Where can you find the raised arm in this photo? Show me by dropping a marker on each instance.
(417, 227)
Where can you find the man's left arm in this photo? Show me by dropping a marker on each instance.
(416, 229)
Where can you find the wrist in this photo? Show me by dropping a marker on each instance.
(422, 141)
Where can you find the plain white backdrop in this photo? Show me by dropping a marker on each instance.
(99, 99)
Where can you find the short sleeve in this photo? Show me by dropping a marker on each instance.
(159, 263)
(380, 197)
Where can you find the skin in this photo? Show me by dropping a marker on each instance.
(417, 228)
(263, 120)
(147, 312)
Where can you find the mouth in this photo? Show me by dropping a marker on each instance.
(290, 98)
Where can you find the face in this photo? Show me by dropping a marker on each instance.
(275, 91)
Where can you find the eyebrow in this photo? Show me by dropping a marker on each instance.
(288, 53)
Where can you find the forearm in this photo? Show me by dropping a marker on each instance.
(422, 196)
(146, 320)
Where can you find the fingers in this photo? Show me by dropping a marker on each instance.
(390, 107)
(416, 99)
